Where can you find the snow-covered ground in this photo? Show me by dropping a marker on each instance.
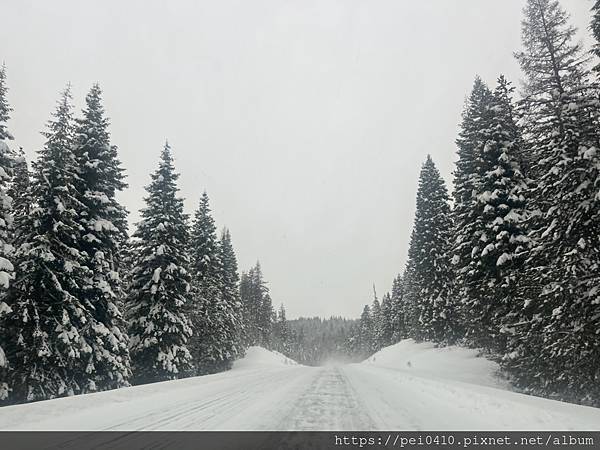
(447, 363)
(407, 386)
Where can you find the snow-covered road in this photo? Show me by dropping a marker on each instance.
(284, 396)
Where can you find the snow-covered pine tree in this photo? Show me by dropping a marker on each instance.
(257, 307)
(248, 327)
(104, 224)
(6, 266)
(376, 322)
(213, 344)
(365, 345)
(385, 329)
(46, 345)
(468, 225)
(409, 307)
(559, 351)
(428, 259)
(281, 339)
(159, 329)
(266, 314)
(20, 192)
(490, 254)
(398, 320)
(230, 289)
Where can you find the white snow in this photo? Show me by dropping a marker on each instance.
(450, 363)
(103, 225)
(503, 259)
(441, 389)
(5, 279)
(3, 361)
(258, 356)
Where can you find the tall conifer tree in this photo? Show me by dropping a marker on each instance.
(159, 329)
(557, 352)
(468, 176)
(46, 345)
(399, 323)
(213, 344)
(257, 307)
(103, 221)
(428, 259)
(489, 233)
(230, 289)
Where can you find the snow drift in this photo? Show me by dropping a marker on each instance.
(449, 363)
(260, 357)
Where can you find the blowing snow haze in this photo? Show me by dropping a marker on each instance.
(305, 121)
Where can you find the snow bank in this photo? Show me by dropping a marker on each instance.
(450, 363)
(260, 357)
(254, 378)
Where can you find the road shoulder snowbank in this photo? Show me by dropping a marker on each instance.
(260, 357)
(452, 363)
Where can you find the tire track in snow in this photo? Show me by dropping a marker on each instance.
(328, 403)
(196, 414)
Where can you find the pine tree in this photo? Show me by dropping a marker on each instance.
(399, 322)
(266, 313)
(158, 327)
(365, 345)
(248, 310)
(257, 307)
(428, 259)
(281, 333)
(409, 307)
(376, 322)
(47, 348)
(386, 331)
(557, 351)
(493, 226)
(6, 266)
(213, 317)
(468, 223)
(230, 290)
(103, 221)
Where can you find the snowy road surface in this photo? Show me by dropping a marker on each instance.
(278, 395)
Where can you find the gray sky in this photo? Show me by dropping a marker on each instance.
(306, 121)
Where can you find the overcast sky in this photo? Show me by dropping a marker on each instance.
(306, 121)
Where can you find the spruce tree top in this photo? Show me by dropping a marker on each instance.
(432, 221)
(555, 69)
(100, 171)
(229, 261)
(56, 166)
(205, 249)
(475, 111)
(549, 59)
(5, 109)
(93, 142)
(164, 214)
